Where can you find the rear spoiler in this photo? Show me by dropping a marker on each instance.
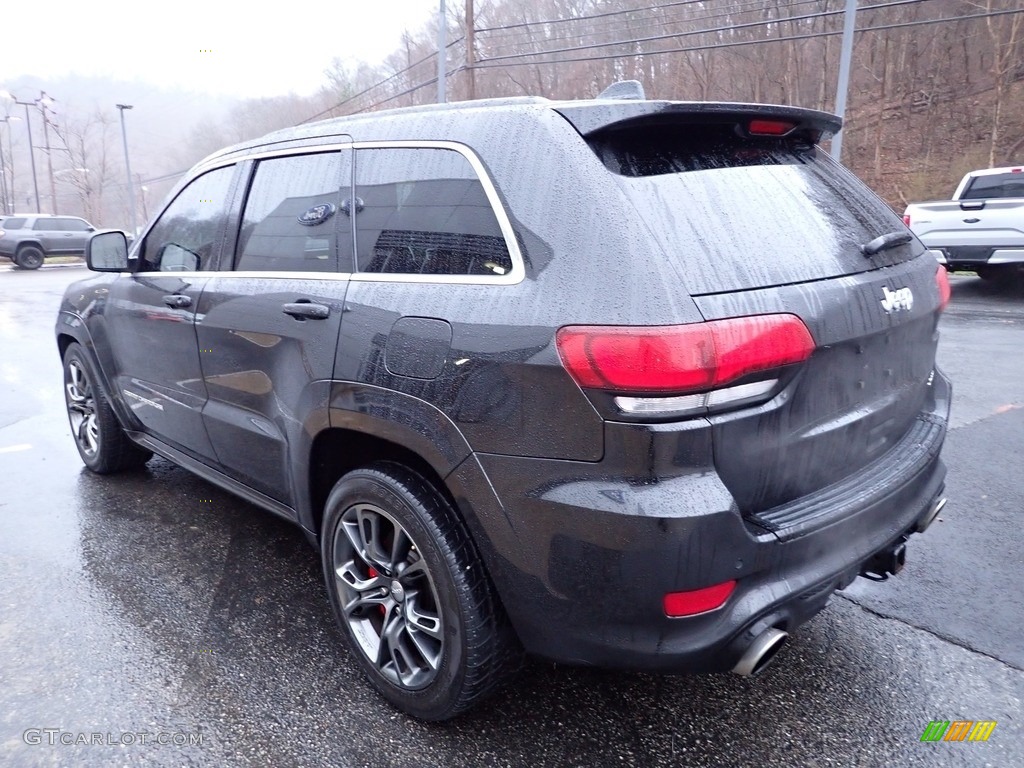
(597, 116)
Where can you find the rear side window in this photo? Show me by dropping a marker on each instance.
(293, 220)
(740, 213)
(424, 211)
(995, 185)
(70, 225)
(12, 223)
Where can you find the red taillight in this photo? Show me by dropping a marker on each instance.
(770, 127)
(698, 600)
(906, 220)
(944, 289)
(680, 358)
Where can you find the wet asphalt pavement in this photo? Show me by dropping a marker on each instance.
(152, 607)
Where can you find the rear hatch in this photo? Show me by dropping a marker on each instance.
(760, 221)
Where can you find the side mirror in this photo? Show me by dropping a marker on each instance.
(107, 251)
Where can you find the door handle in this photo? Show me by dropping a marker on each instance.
(177, 301)
(306, 310)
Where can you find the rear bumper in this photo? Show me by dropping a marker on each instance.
(975, 256)
(582, 558)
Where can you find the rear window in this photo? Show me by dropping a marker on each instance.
(742, 213)
(995, 185)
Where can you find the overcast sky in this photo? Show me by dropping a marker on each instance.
(249, 53)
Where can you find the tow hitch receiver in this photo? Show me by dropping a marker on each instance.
(887, 562)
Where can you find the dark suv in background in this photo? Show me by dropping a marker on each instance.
(618, 382)
(27, 239)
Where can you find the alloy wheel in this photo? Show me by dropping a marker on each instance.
(81, 408)
(387, 596)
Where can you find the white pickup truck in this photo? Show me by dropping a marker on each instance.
(981, 229)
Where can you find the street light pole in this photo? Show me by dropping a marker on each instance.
(128, 169)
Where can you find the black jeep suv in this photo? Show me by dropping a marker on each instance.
(619, 382)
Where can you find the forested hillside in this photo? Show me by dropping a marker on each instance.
(937, 86)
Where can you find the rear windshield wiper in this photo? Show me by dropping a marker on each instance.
(885, 242)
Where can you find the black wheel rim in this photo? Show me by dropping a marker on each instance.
(32, 259)
(387, 596)
(81, 408)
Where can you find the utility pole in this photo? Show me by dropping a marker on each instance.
(128, 169)
(442, 54)
(31, 150)
(470, 52)
(849, 20)
(43, 101)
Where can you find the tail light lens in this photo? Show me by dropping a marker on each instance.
(906, 220)
(945, 291)
(679, 359)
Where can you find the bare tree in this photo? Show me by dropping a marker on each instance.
(87, 141)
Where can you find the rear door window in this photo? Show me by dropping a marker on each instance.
(12, 223)
(295, 219)
(424, 211)
(70, 225)
(740, 213)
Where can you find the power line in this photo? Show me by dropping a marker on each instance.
(591, 16)
(406, 92)
(383, 82)
(518, 38)
(737, 9)
(482, 64)
(706, 30)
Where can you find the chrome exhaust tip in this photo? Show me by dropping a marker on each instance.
(761, 652)
(929, 517)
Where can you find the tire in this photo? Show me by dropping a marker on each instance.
(411, 595)
(101, 442)
(29, 257)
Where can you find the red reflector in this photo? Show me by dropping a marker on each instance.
(906, 220)
(698, 600)
(680, 358)
(944, 289)
(1016, 170)
(770, 127)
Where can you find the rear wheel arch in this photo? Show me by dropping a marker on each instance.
(336, 451)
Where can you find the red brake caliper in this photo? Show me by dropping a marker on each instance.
(373, 575)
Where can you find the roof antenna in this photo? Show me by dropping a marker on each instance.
(629, 90)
